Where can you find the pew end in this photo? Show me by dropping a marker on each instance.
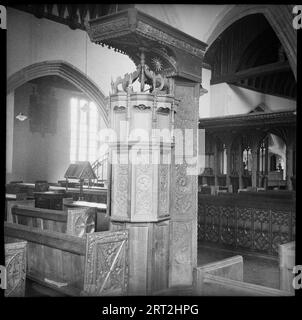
(68, 265)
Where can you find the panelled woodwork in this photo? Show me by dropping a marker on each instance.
(258, 223)
(74, 266)
(15, 263)
(73, 15)
(249, 54)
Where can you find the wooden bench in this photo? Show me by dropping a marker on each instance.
(286, 265)
(221, 286)
(75, 221)
(15, 263)
(67, 265)
(225, 278)
(11, 204)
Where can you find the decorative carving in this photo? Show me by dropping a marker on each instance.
(261, 241)
(141, 107)
(15, 262)
(183, 191)
(106, 29)
(145, 75)
(106, 263)
(120, 190)
(80, 221)
(254, 229)
(119, 108)
(143, 198)
(182, 243)
(164, 190)
(164, 38)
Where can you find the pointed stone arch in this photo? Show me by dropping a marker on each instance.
(68, 72)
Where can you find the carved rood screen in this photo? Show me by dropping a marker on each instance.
(243, 225)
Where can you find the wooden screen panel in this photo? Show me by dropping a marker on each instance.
(15, 262)
(106, 266)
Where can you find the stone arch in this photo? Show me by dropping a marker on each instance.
(67, 72)
(279, 16)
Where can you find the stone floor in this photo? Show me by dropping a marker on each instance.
(256, 269)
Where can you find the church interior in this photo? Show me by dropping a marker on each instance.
(84, 81)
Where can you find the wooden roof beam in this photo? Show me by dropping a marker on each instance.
(253, 72)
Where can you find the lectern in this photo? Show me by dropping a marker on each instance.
(81, 170)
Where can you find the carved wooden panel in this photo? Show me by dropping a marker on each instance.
(15, 262)
(106, 264)
(261, 230)
(244, 227)
(181, 252)
(120, 191)
(164, 190)
(183, 196)
(183, 246)
(161, 257)
(80, 221)
(143, 191)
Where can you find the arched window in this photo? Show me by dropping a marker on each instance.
(84, 127)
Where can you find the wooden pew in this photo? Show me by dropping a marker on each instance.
(231, 268)
(76, 221)
(286, 265)
(220, 286)
(15, 263)
(68, 265)
(225, 278)
(11, 204)
(57, 220)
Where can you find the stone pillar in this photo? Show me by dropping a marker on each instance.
(183, 229)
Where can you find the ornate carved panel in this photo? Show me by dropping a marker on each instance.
(80, 221)
(261, 230)
(106, 264)
(163, 37)
(262, 240)
(120, 190)
(244, 231)
(183, 192)
(15, 262)
(164, 189)
(181, 252)
(143, 184)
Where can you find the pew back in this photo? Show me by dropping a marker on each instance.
(286, 265)
(225, 278)
(45, 219)
(76, 221)
(93, 265)
(220, 286)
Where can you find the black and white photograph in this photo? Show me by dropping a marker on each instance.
(150, 150)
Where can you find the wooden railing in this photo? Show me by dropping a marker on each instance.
(254, 223)
(100, 167)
